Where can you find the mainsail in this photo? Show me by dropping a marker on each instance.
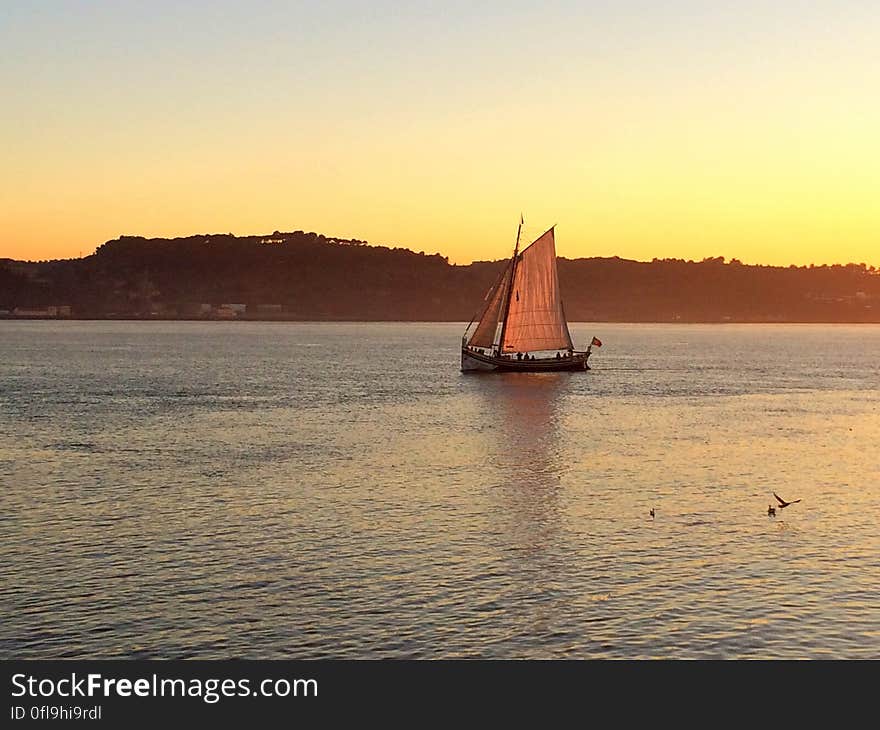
(484, 334)
(535, 319)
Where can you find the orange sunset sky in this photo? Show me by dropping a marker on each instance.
(687, 130)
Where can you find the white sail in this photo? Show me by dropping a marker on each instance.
(535, 320)
(484, 334)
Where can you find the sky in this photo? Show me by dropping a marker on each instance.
(644, 129)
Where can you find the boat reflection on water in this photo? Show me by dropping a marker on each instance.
(525, 450)
(525, 498)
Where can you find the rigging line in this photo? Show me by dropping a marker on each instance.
(509, 293)
(487, 299)
(537, 239)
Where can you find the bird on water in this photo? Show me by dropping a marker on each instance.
(782, 503)
(652, 513)
(771, 510)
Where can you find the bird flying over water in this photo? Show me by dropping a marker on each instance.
(783, 503)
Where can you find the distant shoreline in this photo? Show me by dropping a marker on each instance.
(304, 276)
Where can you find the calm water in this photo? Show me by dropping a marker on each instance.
(339, 490)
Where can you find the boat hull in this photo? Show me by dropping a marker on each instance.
(475, 362)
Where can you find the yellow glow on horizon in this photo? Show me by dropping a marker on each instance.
(771, 160)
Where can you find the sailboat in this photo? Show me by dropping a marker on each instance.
(521, 325)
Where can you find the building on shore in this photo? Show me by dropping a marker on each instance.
(52, 311)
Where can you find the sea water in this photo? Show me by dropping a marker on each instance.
(294, 490)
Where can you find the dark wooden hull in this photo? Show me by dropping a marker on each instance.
(474, 362)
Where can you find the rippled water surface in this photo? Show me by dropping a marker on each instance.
(341, 490)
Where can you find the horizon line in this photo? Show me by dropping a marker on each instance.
(656, 259)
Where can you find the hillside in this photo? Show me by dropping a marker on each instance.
(307, 276)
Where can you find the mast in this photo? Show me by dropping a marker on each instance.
(509, 288)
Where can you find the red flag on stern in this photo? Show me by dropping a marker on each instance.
(597, 342)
